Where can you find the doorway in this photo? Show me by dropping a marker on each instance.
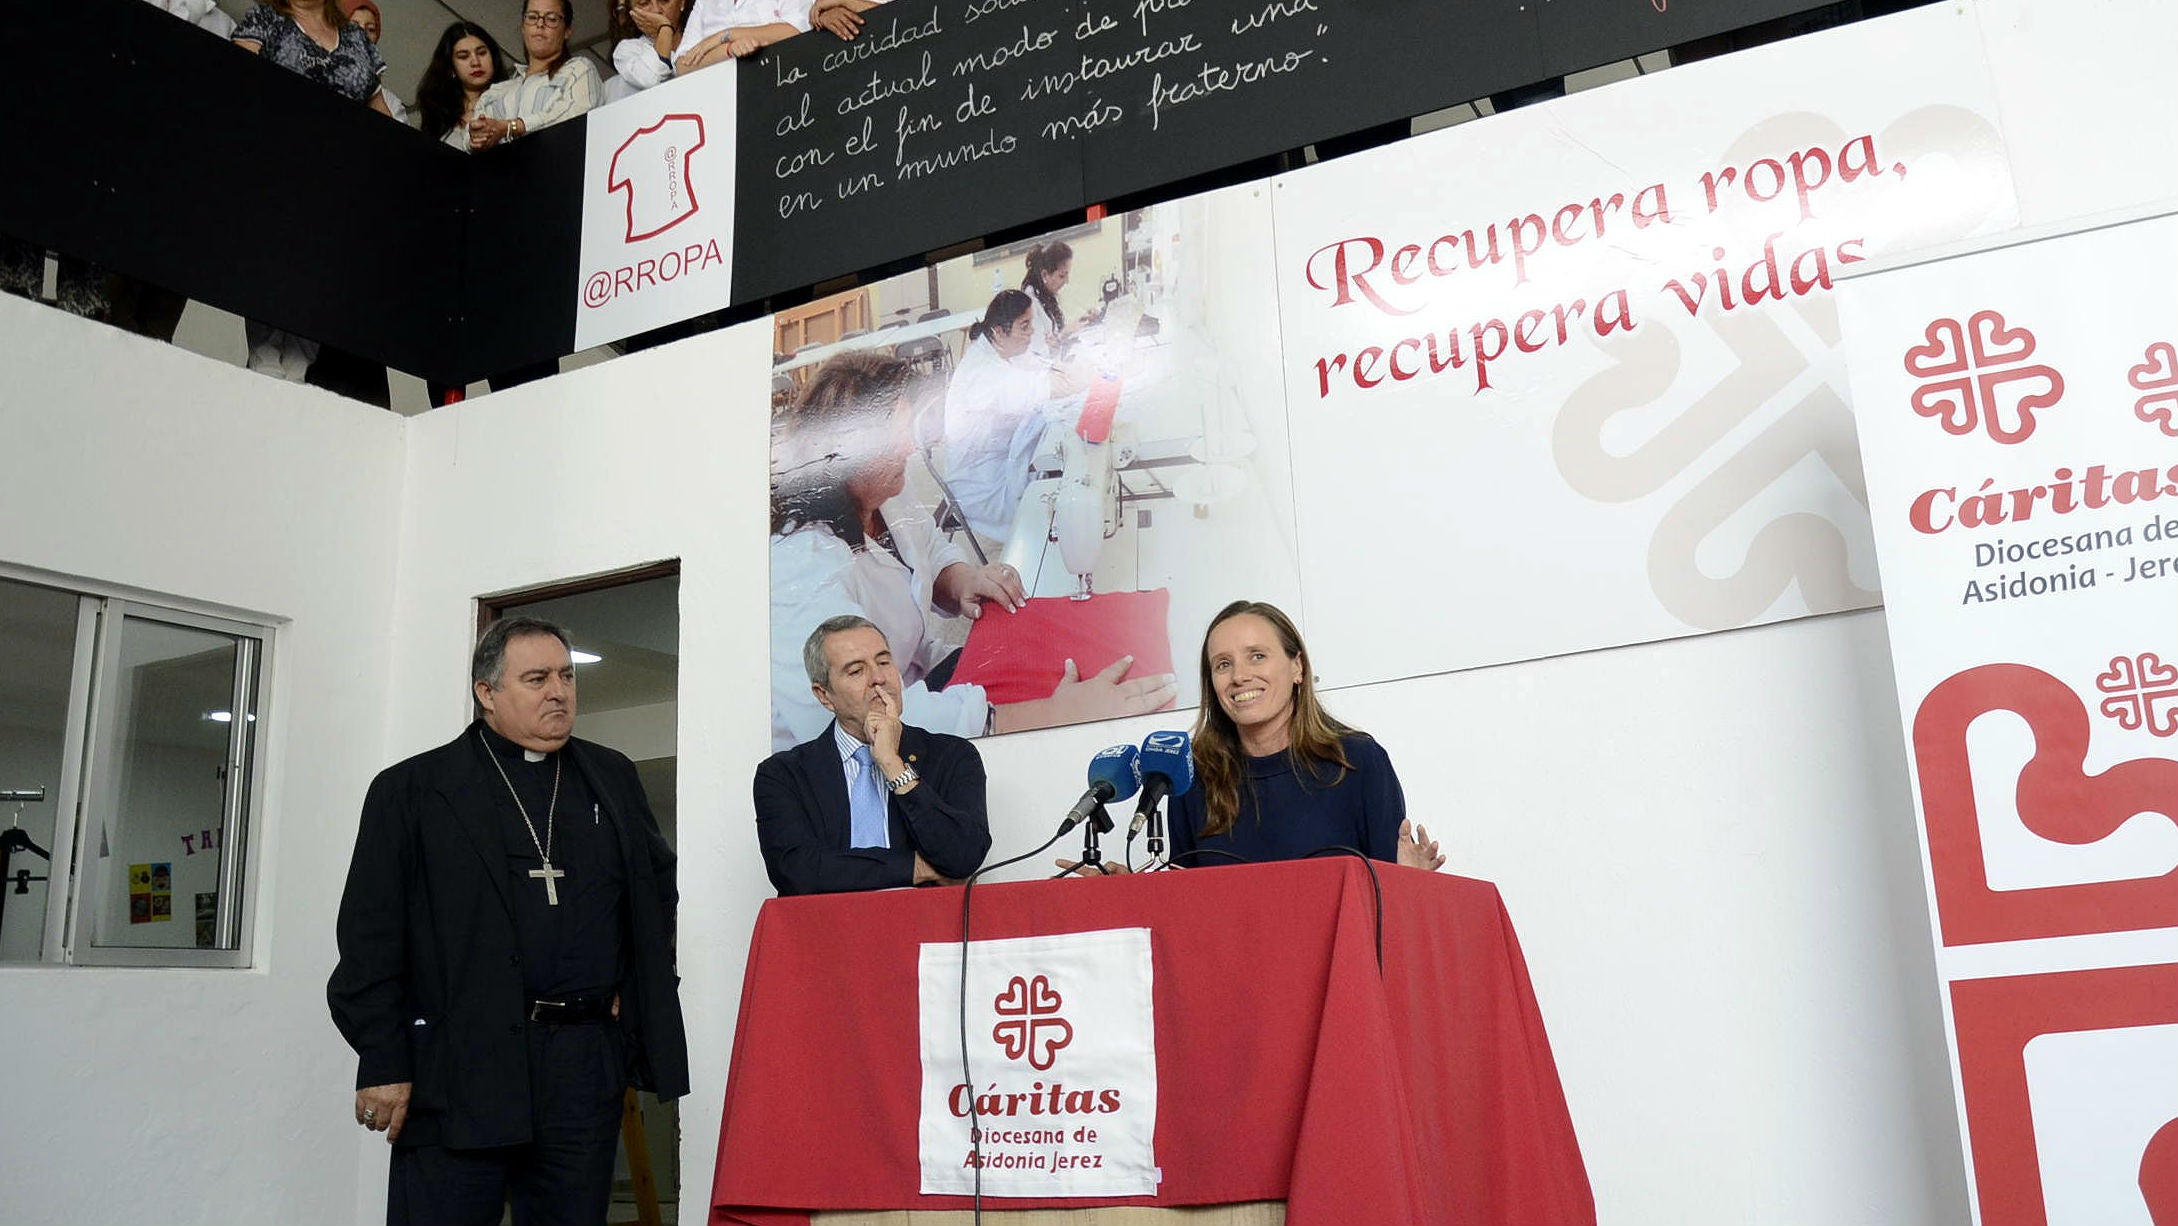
(625, 629)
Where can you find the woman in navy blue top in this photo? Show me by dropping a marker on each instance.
(1276, 778)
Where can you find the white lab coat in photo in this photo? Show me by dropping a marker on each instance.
(995, 413)
(1044, 343)
(815, 575)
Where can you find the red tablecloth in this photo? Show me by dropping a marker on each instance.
(1288, 1068)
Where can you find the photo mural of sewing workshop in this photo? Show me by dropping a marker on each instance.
(1036, 468)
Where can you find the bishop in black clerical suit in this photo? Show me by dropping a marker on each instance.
(506, 954)
(871, 803)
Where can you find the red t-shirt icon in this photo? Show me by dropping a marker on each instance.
(651, 166)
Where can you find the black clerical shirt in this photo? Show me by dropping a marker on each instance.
(575, 948)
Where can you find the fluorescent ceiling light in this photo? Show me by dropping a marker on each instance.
(224, 717)
(585, 657)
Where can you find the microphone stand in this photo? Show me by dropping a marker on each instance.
(1091, 854)
(1155, 841)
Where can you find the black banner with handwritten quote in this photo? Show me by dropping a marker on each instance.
(950, 119)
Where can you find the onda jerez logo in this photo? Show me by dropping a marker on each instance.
(651, 167)
(1976, 376)
(1030, 1025)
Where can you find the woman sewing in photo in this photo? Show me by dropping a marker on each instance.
(995, 413)
(846, 538)
(1048, 268)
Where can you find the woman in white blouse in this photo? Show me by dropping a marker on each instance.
(646, 33)
(996, 408)
(555, 86)
(846, 538)
(721, 30)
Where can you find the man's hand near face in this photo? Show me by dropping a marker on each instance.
(881, 732)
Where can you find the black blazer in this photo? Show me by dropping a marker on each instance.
(429, 986)
(803, 822)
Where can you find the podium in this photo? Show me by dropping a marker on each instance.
(1289, 1067)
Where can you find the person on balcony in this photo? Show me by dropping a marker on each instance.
(314, 38)
(556, 85)
(721, 30)
(646, 34)
(364, 15)
(466, 63)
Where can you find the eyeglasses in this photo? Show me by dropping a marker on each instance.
(547, 20)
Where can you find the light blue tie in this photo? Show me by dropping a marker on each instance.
(866, 801)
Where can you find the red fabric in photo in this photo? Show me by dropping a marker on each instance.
(1020, 656)
(1095, 424)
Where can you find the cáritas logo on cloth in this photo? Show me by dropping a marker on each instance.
(1029, 1026)
(1040, 1079)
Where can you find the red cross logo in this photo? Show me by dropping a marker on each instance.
(2158, 376)
(1029, 1023)
(1976, 376)
(2142, 692)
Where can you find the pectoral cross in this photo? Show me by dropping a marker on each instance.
(550, 875)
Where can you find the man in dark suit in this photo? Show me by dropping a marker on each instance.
(506, 954)
(871, 802)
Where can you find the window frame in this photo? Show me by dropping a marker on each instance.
(88, 749)
(241, 806)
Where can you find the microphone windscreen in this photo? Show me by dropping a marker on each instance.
(1120, 766)
(1171, 754)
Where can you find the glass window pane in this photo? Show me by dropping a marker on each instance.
(39, 627)
(159, 797)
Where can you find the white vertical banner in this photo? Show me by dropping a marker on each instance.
(1576, 365)
(1062, 1054)
(2018, 415)
(658, 207)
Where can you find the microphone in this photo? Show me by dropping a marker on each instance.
(1114, 774)
(1168, 769)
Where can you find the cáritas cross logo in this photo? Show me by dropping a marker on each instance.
(1976, 376)
(2157, 375)
(1029, 1024)
(2141, 692)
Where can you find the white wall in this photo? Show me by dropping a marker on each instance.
(193, 1095)
(165, 793)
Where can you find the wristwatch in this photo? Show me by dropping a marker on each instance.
(903, 781)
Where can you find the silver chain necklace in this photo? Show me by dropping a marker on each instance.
(548, 874)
